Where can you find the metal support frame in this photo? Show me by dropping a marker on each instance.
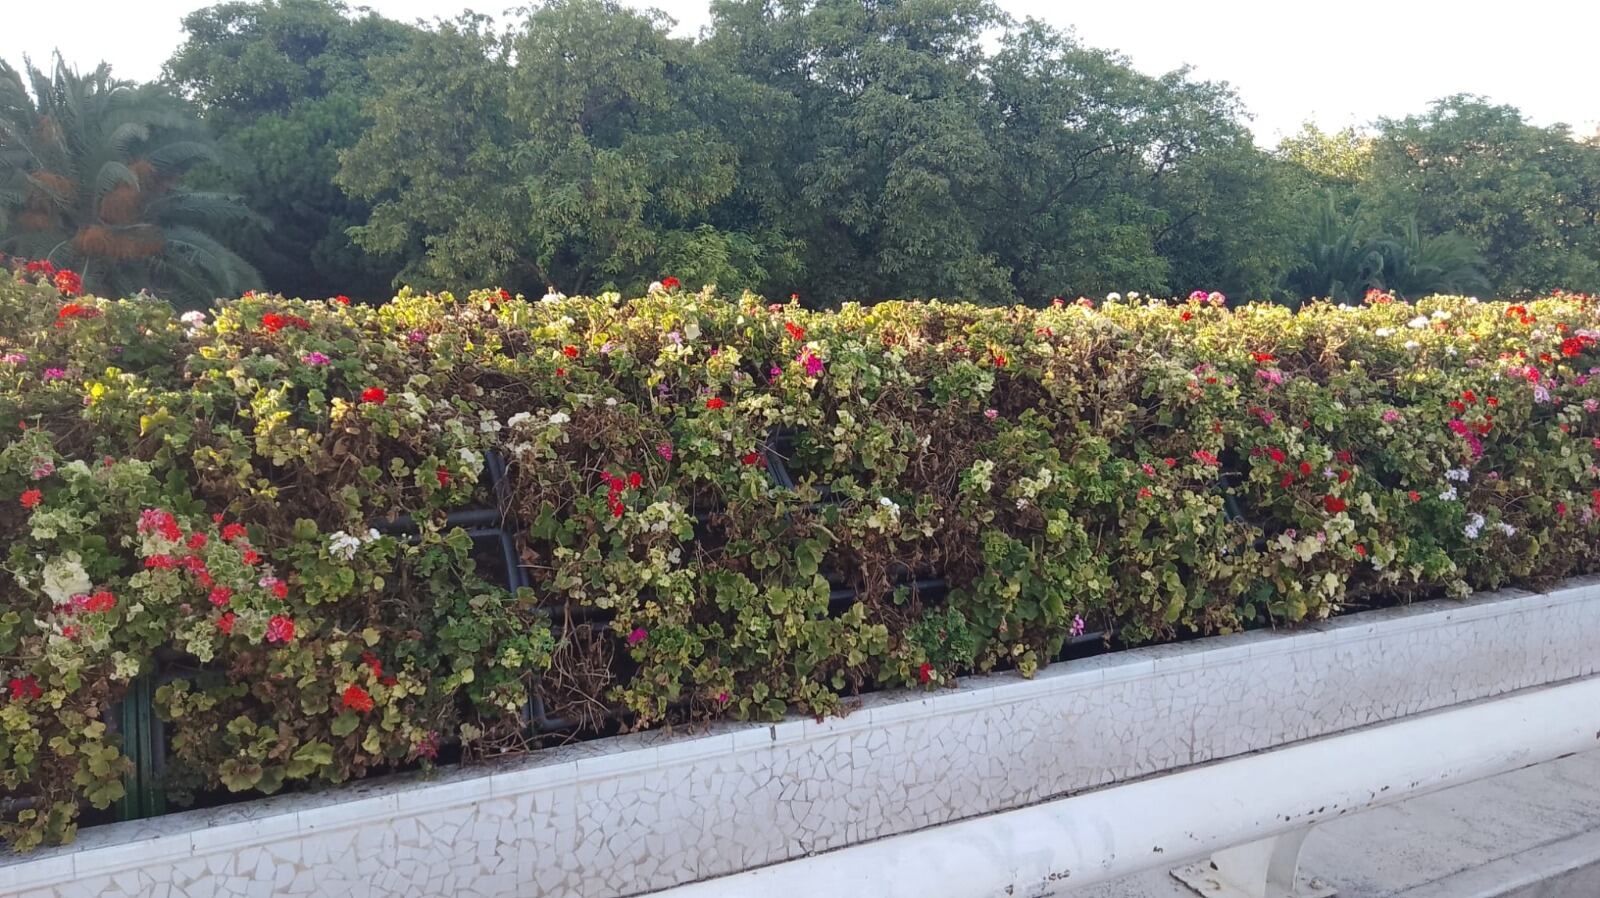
(1268, 868)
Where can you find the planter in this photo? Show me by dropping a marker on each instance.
(627, 815)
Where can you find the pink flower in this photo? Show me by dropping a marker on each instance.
(43, 469)
(638, 635)
(1077, 625)
(1272, 376)
(55, 374)
(1390, 416)
(665, 451)
(812, 363)
(315, 358)
(991, 414)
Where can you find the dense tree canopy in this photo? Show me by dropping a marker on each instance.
(282, 82)
(841, 149)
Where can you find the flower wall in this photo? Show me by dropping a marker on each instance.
(721, 507)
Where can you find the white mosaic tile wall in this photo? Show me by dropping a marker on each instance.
(623, 816)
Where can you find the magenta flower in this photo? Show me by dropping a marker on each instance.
(812, 363)
(1390, 416)
(665, 451)
(417, 337)
(638, 635)
(14, 358)
(991, 413)
(55, 374)
(315, 358)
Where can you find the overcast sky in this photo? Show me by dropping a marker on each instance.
(1333, 63)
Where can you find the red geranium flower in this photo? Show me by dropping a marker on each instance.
(220, 596)
(1414, 496)
(925, 673)
(1305, 469)
(671, 283)
(635, 479)
(375, 395)
(443, 475)
(570, 352)
(280, 629)
(795, 331)
(1334, 504)
(25, 688)
(342, 300)
(274, 322)
(100, 602)
(32, 498)
(233, 532)
(225, 623)
(69, 282)
(356, 699)
(751, 458)
(715, 403)
(1277, 455)
(280, 589)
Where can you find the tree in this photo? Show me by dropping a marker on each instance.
(1338, 260)
(582, 166)
(1417, 265)
(91, 179)
(1526, 195)
(281, 83)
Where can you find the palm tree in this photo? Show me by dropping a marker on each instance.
(1415, 265)
(1339, 260)
(90, 179)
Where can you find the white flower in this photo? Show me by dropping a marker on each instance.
(611, 401)
(560, 418)
(1507, 529)
(343, 545)
(1418, 323)
(469, 458)
(1441, 315)
(193, 319)
(1412, 344)
(553, 296)
(64, 577)
(655, 287)
(1113, 297)
(1449, 494)
(1458, 474)
(1133, 294)
(518, 419)
(1474, 526)
(1385, 332)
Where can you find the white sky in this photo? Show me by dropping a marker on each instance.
(1336, 64)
